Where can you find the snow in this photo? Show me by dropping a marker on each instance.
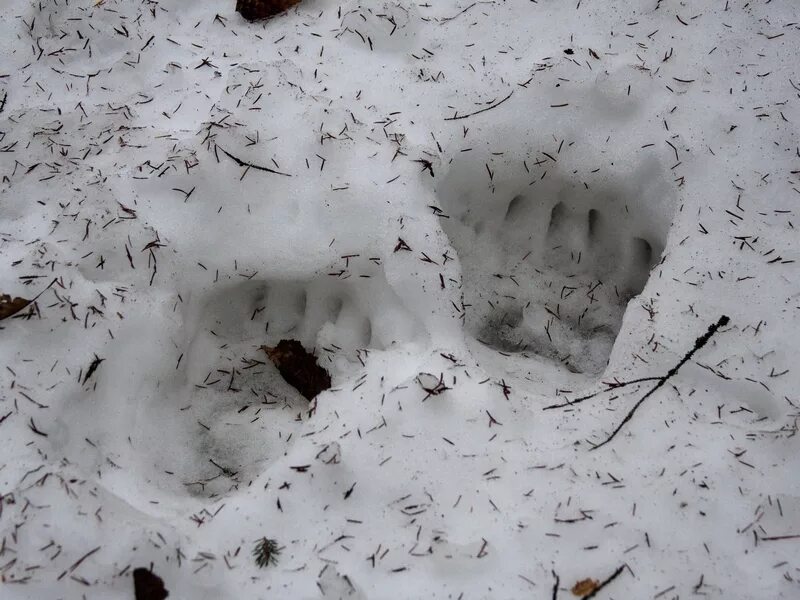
(472, 212)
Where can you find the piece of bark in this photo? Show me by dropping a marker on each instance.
(148, 586)
(299, 368)
(10, 306)
(253, 10)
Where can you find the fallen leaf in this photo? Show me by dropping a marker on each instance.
(585, 587)
(299, 368)
(148, 586)
(261, 9)
(10, 306)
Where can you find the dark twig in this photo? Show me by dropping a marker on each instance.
(555, 585)
(776, 538)
(610, 386)
(611, 578)
(242, 163)
(698, 344)
(477, 112)
(461, 12)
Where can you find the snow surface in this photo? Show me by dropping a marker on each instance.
(472, 211)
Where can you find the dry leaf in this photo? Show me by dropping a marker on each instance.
(10, 306)
(299, 368)
(585, 587)
(261, 9)
(148, 586)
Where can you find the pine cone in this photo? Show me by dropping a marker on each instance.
(261, 9)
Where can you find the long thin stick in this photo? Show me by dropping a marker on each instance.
(242, 163)
(611, 578)
(698, 344)
(477, 112)
(611, 386)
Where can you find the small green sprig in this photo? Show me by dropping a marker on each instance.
(266, 552)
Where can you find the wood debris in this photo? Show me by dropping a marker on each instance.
(252, 10)
(299, 368)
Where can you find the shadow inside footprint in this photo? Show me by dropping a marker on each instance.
(549, 263)
(249, 409)
(191, 405)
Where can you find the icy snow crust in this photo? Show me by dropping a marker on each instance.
(471, 211)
